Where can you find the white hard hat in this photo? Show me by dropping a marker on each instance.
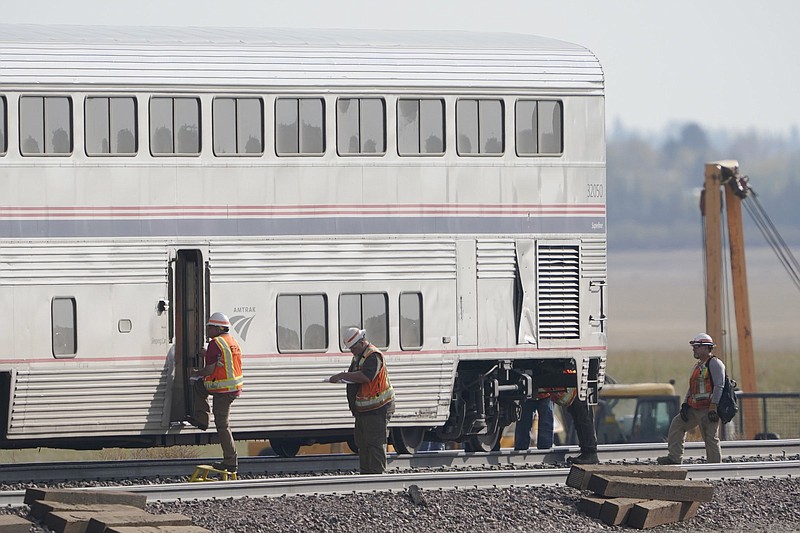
(220, 320)
(352, 336)
(703, 339)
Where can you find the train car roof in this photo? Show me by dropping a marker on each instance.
(118, 56)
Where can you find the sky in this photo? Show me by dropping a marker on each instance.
(725, 64)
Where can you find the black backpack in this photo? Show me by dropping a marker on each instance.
(727, 406)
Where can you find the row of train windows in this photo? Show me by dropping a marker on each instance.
(111, 128)
(301, 325)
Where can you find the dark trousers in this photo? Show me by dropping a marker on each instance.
(582, 417)
(371, 434)
(544, 434)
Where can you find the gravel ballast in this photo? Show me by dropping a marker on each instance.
(738, 505)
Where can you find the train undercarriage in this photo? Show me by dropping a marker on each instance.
(487, 396)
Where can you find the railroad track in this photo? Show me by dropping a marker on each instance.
(507, 469)
(464, 479)
(338, 463)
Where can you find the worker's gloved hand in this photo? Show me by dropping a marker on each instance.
(713, 416)
(685, 412)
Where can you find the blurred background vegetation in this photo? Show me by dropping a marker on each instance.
(654, 183)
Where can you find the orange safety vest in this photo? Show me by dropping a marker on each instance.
(227, 374)
(543, 393)
(700, 388)
(375, 393)
(563, 396)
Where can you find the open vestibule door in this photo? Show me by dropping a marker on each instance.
(188, 285)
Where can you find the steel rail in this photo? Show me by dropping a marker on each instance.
(350, 484)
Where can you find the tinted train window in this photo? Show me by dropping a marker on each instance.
(479, 127)
(369, 311)
(111, 126)
(539, 126)
(3, 125)
(361, 126)
(45, 125)
(299, 126)
(63, 316)
(420, 127)
(302, 322)
(411, 321)
(238, 126)
(174, 126)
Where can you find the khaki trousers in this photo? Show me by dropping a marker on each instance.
(371, 434)
(222, 411)
(710, 431)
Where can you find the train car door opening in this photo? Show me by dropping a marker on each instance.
(189, 319)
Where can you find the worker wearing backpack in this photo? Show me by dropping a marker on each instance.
(700, 405)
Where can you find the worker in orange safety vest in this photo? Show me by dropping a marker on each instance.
(700, 405)
(222, 378)
(371, 399)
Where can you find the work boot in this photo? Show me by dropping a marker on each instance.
(195, 422)
(667, 460)
(231, 469)
(585, 458)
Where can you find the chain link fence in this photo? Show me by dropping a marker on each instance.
(765, 415)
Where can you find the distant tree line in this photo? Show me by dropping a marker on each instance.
(654, 184)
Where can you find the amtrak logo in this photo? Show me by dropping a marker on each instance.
(241, 324)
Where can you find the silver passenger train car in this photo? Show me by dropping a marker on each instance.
(445, 191)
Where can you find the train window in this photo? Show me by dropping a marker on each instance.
(302, 322)
(3, 124)
(410, 321)
(361, 126)
(125, 325)
(174, 126)
(299, 126)
(63, 315)
(420, 127)
(369, 311)
(539, 126)
(45, 125)
(111, 126)
(238, 126)
(479, 127)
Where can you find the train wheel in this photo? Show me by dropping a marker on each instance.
(484, 443)
(407, 440)
(285, 447)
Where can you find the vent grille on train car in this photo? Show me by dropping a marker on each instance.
(558, 292)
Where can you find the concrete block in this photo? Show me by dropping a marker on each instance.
(101, 522)
(579, 475)
(86, 496)
(78, 521)
(11, 523)
(651, 489)
(591, 506)
(652, 513)
(157, 529)
(40, 509)
(615, 511)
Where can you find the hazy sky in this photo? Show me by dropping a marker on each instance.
(721, 63)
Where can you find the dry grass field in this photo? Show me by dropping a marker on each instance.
(775, 371)
(657, 303)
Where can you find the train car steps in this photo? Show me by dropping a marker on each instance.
(209, 473)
